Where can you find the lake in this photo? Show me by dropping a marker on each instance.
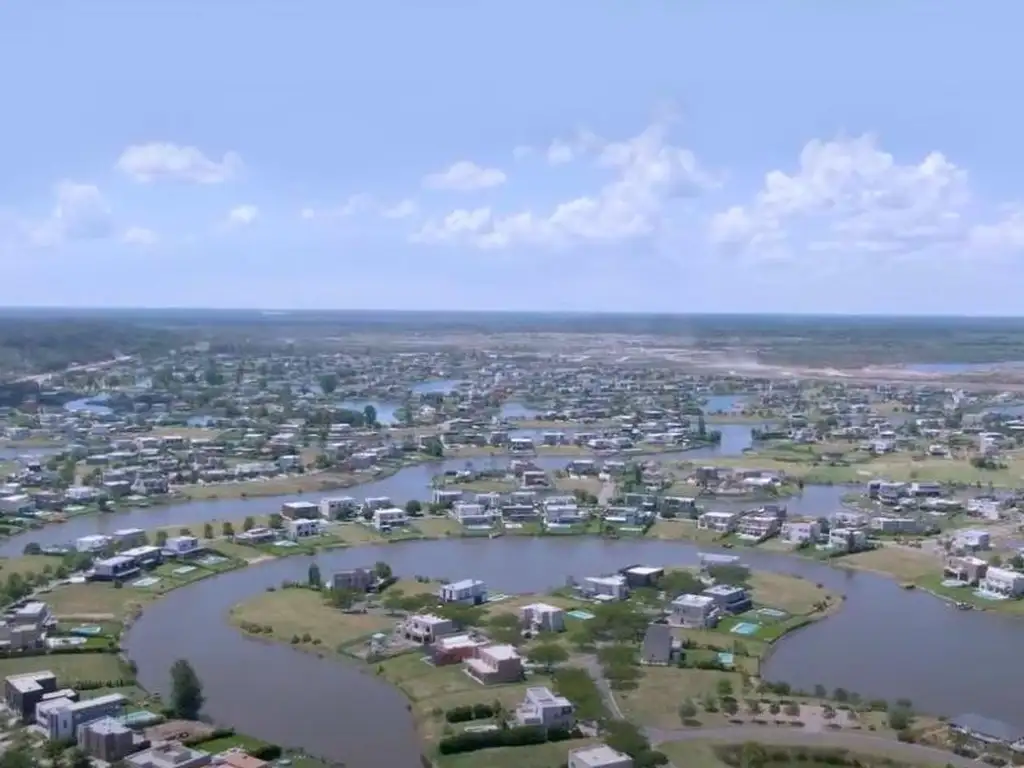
(886, 642)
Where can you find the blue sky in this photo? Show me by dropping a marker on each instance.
(655, 155)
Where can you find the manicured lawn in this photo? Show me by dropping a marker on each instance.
(903, 563)
(96, 600)
(513, 604)
(355, 533)
(533, 756)
(437, 526)
(432, 690)
(788, 593)
(659, 692)
(681, 530)
(299, 612)
(27, 564)
(216, 746)
(70, 667)
(965, 594)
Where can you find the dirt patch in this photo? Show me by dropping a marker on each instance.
(178, 730)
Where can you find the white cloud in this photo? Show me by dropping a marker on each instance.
(163, 161)
(1007, 234)
(403, 210)
(139, 236)
(648, 172)
(559, 152)
(80, 212)
(522, 152)
(849, 195)
(242, 215)
(355, 205)
(465, 176)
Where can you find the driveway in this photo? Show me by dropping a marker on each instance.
(794, 737)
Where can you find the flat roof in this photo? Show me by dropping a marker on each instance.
(597, 756)
(502, 652)
(645, 570)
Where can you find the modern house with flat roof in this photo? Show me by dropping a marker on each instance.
(542, 707)
(23, 692)
(694, 612)
(495, 664)
(598, 756)
(470, 591)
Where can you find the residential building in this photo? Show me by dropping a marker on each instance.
(60, 718)
(337, 508)
(471, 591)
(847, 539)
(495, 664)
(384, 519)
(542, 707)
(694, 611)
(107, 739)
(598, 756)
(303, 528)
(114, 568)
(354, 579)
(657, 645)
(758, 527)
(604, 588)
(182, 546)
(542, 617)
(129, 537)
(474, 514)
(969, 570)
(169, 755)
(300, 510)
(638, 576)
(801, 531)
(720, 522)
(884, 524)
(728, 598)
(1004, 582)
(36, 613)
(426, 628)
(453, 649)
(972, 540)
(23, 692)
(92, 543)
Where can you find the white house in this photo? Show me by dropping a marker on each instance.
(798, 532)
(475, 514)
(542, 616)
(1002, 581)
(388, 518)
(542, 707)
(340, 506)
(302, 528)
(180, 546)
(694, 611)
(605, 588)
(92, 543)
(472, 591)
(599, 756)
(296, 510)
(720, 522)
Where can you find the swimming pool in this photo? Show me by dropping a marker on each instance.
(580, 614)
(772, 613)
(146, 581)
(727, 659)
(745, 628)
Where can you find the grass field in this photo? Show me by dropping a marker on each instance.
(299, 612)
(27, 564)
(569, 484)
(432, 690)
(788, 593)
(275, 486)
(701, 754)
(656, 699)
(437, 527)
(533, 756)
(903, 563)
(70, 667)
(513, 604)
(96, 600)
(681, 530)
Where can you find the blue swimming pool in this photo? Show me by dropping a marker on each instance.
(745, 628)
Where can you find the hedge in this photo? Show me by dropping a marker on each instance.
(466, 713)
(511, 737)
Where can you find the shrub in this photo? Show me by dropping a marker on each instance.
(512, 737)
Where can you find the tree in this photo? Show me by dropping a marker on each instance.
(393, 600)
(382, 570)
(504, 629)
(900, 718)
(208, 531)
(343, 599)
(248, 524)
(677, 583)
(161, 538)
(314, 576)
(687, 711)
(724, 687)
(736, 575)
(413, 508)
(370, 415)
(548, 655)
(17, 757)
(67, 472)
(752, 755)
(77, 758)
(820, 692)
(275, 521)
(186, 691)
(328, 383)
(227, 529)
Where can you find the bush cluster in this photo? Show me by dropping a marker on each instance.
(466, 713)
(511, 737)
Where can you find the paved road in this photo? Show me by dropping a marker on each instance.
(851, 740)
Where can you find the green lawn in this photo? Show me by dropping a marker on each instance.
(534, 756)
(70, 667)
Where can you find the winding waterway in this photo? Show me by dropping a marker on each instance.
(885, 642)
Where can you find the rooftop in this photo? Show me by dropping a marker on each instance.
(597, 756)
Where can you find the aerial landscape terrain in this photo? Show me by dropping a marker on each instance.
(511, 385)
(519, 539)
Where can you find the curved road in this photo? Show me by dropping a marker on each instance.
(769, 734)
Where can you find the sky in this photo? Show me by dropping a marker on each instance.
(580, 155)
